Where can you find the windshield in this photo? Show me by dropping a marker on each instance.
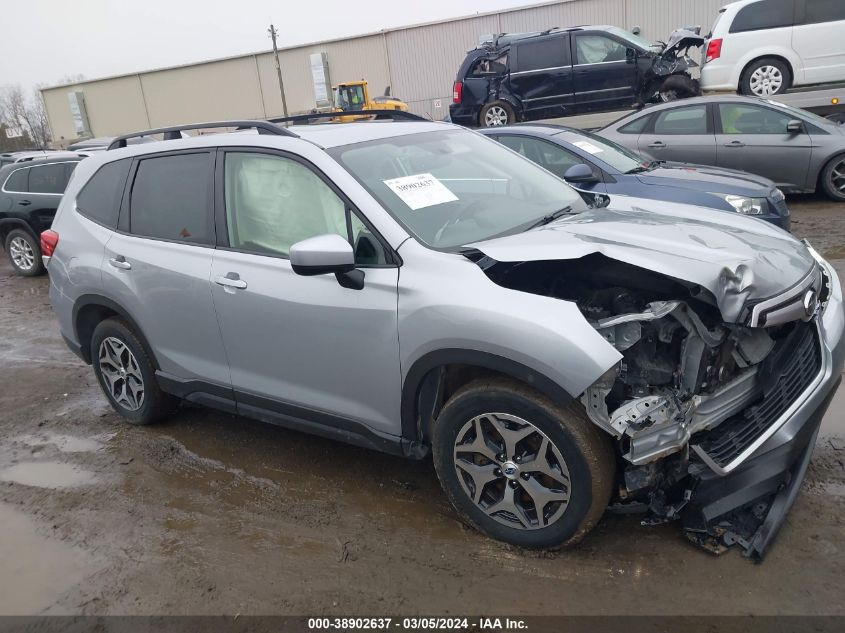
(806, 115)
(636, 40)
(616, 156)
(455, 187)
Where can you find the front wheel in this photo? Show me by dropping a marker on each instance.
(520, 468)
(496, 114)
(833, 178)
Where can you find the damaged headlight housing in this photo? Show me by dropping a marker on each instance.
(746, 205)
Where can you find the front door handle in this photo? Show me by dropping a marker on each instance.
(120, 262)
(735, 144)
(24, 203)
(657, 144)
(231, 280)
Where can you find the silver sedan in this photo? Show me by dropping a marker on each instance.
(795, 148)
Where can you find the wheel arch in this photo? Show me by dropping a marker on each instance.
(7, 225)
(89, 310)
(436, 374)
(816, 178)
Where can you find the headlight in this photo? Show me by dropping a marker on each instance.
(743, 204)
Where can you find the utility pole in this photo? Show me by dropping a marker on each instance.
(273, 32)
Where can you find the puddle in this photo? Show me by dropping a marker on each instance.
(47, 475)
(64, 443)
(43, 570)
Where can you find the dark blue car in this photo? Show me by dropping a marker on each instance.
(594, 164)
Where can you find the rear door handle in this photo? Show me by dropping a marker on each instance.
(120, 262)
(735, 144)
(231, 280)
(24, 203)
(657, 144)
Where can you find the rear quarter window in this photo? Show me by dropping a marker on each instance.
(18, 181)
(765, 14)
(100, 198)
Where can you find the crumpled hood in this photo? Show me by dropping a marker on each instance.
(707, 178)
(736, 258)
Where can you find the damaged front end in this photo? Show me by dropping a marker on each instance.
(668, 74)
(708, 376)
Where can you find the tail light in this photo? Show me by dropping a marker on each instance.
(457, 91)
(49, 241)
(714, 50)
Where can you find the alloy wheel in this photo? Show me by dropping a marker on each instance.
(837, 176)
(512, 471)
(496, 116)
(766, 81)
(121, 373)
(22, 254)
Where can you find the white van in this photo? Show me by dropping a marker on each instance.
(764, 47)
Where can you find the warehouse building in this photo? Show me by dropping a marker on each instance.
(418, 62)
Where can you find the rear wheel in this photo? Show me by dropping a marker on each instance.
(520, 468)
(765, 77)
(833, 178)
(127, 375)
(496, 114)
(24, 253)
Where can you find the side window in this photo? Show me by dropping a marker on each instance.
(485, 67)
(765, 14)
(553, 157)
(274, 202)
(171, 199)
(636, 126)
(689, 120)
(594, 49)
(47, 178)
(546, 52)
(99, 199)
(820, 11)
(18, 181)
(744, 119)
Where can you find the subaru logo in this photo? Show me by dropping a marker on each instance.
(509, 470)
(811, 303)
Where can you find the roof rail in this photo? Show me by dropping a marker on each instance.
(174, 132)
(378, 114)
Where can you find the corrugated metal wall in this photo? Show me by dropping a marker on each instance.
(418, 62)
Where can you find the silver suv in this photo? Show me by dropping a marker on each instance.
(416, 288)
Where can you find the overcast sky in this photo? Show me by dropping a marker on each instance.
(44, 41)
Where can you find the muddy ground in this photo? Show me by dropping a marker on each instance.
(211, 514)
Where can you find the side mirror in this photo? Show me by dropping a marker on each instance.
(322, 254)
(630, 55)
(580, 174)
(794, 127)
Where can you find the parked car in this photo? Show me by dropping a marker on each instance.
(100, 143)
(7, 158)
(526, 76)
(596, 165)
(30, 191)
(553, 358)
(799, 151)
(764, 47)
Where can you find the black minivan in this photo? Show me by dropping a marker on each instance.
(527, 76)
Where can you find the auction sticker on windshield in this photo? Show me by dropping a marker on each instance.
(588, 147)
(420, 191)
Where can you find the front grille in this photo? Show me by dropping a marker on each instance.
(795, 362)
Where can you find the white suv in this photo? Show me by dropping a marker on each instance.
(764, 47)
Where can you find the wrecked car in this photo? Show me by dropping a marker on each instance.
(417, 288)
(561, 72)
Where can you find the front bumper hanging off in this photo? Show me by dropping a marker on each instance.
(746, 505)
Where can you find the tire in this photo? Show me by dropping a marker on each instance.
(832, 178)
(765, 78)
(571, 505)
(24, 253)
(114, 346)
(495, 114)
(678, 87)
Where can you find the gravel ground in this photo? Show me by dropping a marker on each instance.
(215, 514)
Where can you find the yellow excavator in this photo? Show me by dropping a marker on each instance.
(354, 95)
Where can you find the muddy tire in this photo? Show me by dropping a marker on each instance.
(520, 468)
(127, 375)
(678, 87)
(832, 178)
(765, 78)
(496, 114)
(24, 253)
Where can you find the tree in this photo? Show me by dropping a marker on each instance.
(26, 115)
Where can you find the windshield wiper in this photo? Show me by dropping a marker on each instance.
(551, 217)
